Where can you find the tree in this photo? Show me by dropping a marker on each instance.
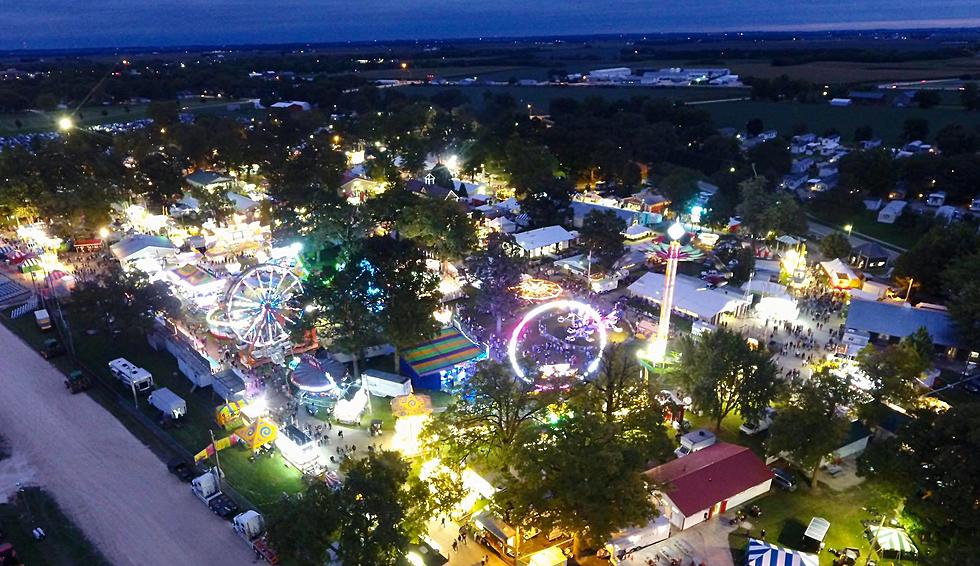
(809, 427)
(953, 139)
(123, 300)
(620, 394)
(835, 245)
(579, 476)
(915, 129)
(926, 261)
(723, 373)
(771, 158)
(679, 185)
(498, 270)
(492, 410)
(602, 235)
(892, 371)
(164, 113)
(383, 508)
(443, 176)
(551, 204)
(932, 462)
(921, 342)
(440, 226)
(302, 527)
(754, 127)
(407, 290)
(927, 98)
(970, 96)
(961, 281)
(863, 133)
(868, 171)
(763, 211)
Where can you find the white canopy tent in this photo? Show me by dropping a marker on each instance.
(761, 553)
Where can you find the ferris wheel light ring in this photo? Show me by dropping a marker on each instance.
(565, 304)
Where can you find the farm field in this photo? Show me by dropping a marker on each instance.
(540, 96)
(887, 122)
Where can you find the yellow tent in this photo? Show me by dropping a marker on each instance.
(258, 434)
(228, 413)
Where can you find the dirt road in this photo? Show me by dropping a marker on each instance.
(106, 481)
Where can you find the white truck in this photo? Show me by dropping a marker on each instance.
(132, 376)
(762, 424)
(207, 488)
(168, 402)
(694, 441)
(251, 527)
(43, 319)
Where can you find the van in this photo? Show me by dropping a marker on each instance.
(43, 319)
(694, 441)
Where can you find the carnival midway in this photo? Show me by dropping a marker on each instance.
(259, 401)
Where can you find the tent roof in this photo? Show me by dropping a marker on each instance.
(698, 481)
(201, 177)
(690, 295)
(761, 553)
(547, 236)
(838, 269)
(817, 529)
(446, 350)
(892, 539)
(870, 249)
(193, 275)
(138, 242)
(901, 320)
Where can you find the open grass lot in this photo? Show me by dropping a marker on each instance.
(835, 72)
(903, 234)
(886, 121)
(540, 96)
(785, 517)
(65, 544)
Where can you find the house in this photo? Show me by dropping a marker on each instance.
(802, 165)
(891, 211)
(608, 75)
(292, 106)
(144, 251)
(709, 482)
(427, 187)
(869, 256)
(210, 181)
(544, 241)
(890, 322)
(794, 181)
(866, 96)
(691, 298)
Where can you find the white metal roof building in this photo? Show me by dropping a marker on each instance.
(691, 296)
(544, 241)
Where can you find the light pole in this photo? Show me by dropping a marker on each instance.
(848, 228)
(658, 348)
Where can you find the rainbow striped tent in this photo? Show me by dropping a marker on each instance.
(448, 349)
(193, 275)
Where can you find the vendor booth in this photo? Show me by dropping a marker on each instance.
(761, 553)
(892, 542)
(297, 448)
(229, 385)
(258, 434)
(384, 384)
(432, 362)
(841, 275)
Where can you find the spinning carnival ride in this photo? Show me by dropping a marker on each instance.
(260, 308)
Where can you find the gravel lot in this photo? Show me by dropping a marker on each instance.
(117, 491)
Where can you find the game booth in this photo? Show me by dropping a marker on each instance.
(439, 362)
(762, 553)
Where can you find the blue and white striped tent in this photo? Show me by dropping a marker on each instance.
(761, 553)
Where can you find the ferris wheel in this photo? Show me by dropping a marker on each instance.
(260, 306)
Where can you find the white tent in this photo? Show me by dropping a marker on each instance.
(761, 553)
(889, 539)
(691, 296)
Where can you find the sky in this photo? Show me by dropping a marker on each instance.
(57, 24)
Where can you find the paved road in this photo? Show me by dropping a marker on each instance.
(106, 481)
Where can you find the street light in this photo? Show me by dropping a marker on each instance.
(848, 229)
(65, 123)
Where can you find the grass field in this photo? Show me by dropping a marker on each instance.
(65, 544)
(539, 97)
(887, 122)
(785, 517)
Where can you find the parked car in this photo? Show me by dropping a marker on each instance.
(783, 479)
(184, 470)
(52, 349)
(764, 422)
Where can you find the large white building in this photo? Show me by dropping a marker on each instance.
(692, 298)
(544, 241)
(613, 74)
